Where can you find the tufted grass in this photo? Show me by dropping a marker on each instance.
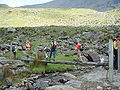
(24, 17)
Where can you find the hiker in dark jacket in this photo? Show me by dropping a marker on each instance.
(14, 51)
(116, 52)
(53, 49)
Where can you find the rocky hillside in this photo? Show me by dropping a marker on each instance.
(93, 37)
(23, 17)
(100, 5)
(3, 6)
(95, 41)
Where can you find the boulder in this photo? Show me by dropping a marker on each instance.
(22, 70)
(11, 30)
(64, 49)
(92, 56)
(74, 83)
(2, 58)
(9, 82)
(19, 47)
(42, 83)
(11, 62)
(60, 87)
(59, 79)
(88, 34)
(64, 38)
(69, 76)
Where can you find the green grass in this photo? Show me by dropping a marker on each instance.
(24, 17)
(9, 55)
(2, 83)
(60, 67)
(39, 68)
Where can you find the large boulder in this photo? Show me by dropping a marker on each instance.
(11, 30)
(92, 56)
(60, 87)
(74, 83)
(88, 34)
(64, 38)
(69, 76)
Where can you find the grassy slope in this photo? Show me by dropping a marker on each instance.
(19, 17)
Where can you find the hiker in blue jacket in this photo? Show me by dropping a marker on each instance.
(14, 51)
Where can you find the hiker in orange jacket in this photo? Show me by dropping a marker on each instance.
(28, 47)
(78, 48)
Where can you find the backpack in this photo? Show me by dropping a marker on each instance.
(53, 45)
(13, 48)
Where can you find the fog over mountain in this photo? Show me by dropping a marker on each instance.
(100, 5)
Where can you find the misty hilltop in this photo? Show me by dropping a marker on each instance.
(99, 5)
(4, 5)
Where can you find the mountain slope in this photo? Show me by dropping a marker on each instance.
(28, 17)
(4, 6)
(100, 5)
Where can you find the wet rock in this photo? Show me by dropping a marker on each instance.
(60, 87)
(59, 79)
(42, 83)
(22, 70)
(74, 83)
(69, 76)
(99, 88)
(11, 62)
(29, 86)
(1, 88)
(5, 47)
(2, 58)
(9, 81)
(13, 88)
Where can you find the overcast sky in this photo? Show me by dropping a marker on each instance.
(16, 3)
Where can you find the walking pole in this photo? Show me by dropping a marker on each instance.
(110, 75)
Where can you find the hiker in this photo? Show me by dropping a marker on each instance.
(28, 47)
(115, 43)
(78, 48)
(14, 51)
(46, 52)
(53, 49)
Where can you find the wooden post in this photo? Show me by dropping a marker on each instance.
(110, 74)
(119, 56)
